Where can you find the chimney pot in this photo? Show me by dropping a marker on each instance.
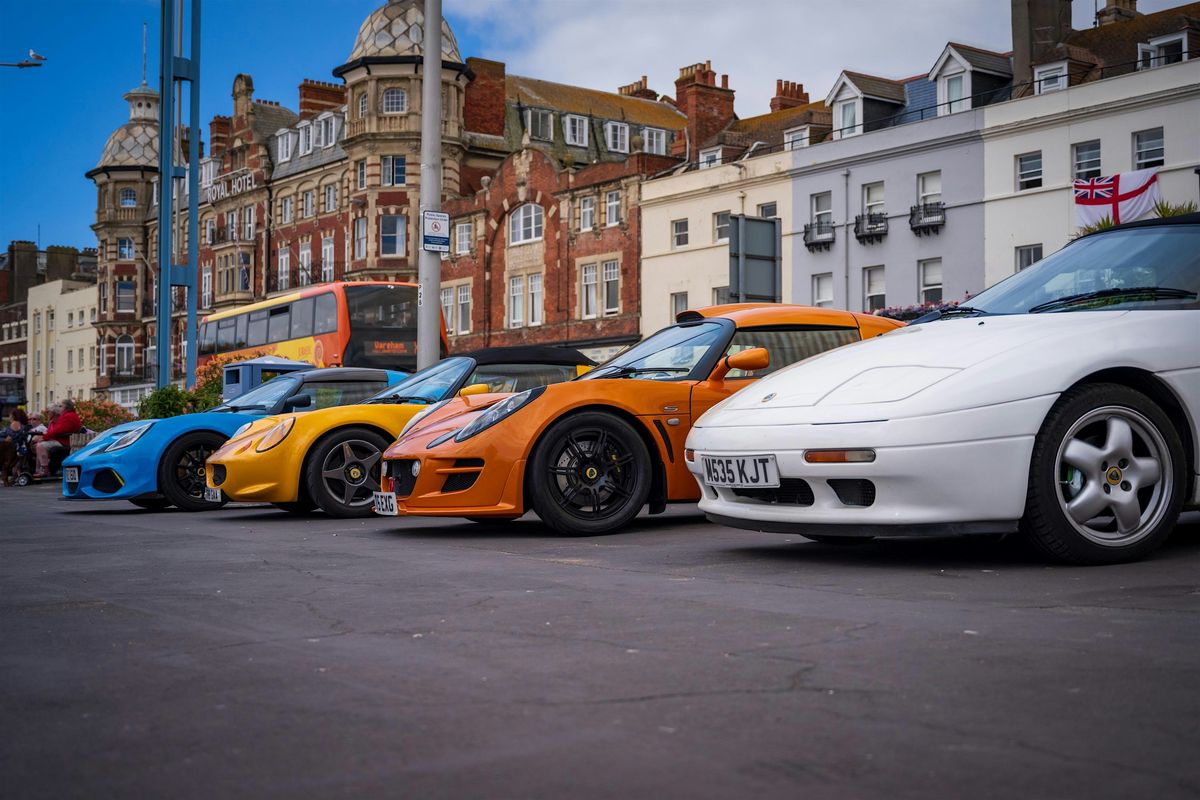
(724, 81)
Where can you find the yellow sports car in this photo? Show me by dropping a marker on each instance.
(330, 458)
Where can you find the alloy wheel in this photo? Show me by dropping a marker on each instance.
(591, 473)
(350, 472)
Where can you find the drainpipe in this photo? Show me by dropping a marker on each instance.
(846, 233)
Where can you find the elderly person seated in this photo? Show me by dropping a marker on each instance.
(56, 441)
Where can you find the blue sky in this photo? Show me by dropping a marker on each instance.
(57, 117)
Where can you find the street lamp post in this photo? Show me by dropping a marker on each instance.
(429, 270)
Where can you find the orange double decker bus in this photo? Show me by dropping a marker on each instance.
(343, 324)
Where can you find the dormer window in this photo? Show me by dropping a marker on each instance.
(208, 171)
(540, 124)
(395, 101)
(654, 140)
(1162, 51)
(617, 137)
(128, 198)
(955, 93)
(306, 144)
(847, 118)
(284, 144)
(710, 158)
(1050, 77)
(796, 138)
(575, 130)
(328, 127)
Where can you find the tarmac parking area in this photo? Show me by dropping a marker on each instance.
(249, 653)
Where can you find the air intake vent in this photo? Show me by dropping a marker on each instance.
(853, 491)
(791, 491)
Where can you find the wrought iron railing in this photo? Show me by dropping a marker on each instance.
(871, 227)
(818, 235)
(927, 217)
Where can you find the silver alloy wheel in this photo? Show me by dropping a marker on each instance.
(1114, 476)
(346, 472)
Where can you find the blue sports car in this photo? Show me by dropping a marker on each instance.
(155, 463)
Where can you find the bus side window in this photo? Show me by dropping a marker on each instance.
(225, 331)
(239, 338)
(278, 323)
(325, 316)
(256, 334)
(302, 318)
(208, 338)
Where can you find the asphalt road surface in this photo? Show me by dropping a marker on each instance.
(247, 653)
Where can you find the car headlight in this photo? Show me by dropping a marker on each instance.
(501, 410)
(424, 412)
(242, 430)
(276, 435)
(129, 437)
(886, 385)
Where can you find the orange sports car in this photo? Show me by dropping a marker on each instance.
(588, 454)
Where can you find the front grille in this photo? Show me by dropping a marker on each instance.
(72, 486)
(791, 491)
(400, 471)
(107, 481)
(853, 491)
(219, 474)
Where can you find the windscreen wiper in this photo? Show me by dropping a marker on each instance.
(398, 398)
(1124, 293)
(625, 371)
(953, 311)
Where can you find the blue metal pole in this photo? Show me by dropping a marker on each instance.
(166, 183)
(193, 270)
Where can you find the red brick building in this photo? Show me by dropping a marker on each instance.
(541, 179)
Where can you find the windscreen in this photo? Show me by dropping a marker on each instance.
(383, 326)
(671, 354)
(1138, 268)
(430, 384)
(264, 397)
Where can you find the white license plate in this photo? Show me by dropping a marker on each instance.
(741, 472)
(71, 474)
(385, 503)
(212, 495)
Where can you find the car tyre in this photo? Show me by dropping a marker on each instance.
(342, 473)
(152, 503)
(590, 474)
(181, 471)
(1106, 479)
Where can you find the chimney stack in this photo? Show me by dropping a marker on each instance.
(1117, 11)
(218, 134)
(1037, 27)
(788, 94)
(317, 97)
(708, 107)
(638, 89)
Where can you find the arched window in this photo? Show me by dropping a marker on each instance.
(362, 105)
(125, 354)
(395, 101)
(128, 198)
(525, 224)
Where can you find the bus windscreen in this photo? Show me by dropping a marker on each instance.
(383, 325)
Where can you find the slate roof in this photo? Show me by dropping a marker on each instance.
(874, 86)
(987, 60)
(770, 127)
(1116, 43)
(593, 102)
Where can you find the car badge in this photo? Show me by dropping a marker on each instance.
(768, 398)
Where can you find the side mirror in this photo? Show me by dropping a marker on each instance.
(474, 388)
(297, 401)
(748, 360)
(583, 369)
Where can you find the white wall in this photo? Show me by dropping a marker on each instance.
(1110, 110)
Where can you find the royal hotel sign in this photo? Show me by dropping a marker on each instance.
(230, 185)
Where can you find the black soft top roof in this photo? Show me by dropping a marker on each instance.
(344, 374)
(530, 354)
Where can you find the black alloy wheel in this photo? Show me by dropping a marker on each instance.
(343, 469)
(181, 472)
(590, 474)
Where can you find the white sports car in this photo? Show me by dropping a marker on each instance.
(1063, 402)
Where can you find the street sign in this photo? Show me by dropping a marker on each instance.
(435, 231)
(755, 259)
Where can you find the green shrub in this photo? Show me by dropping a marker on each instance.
(168, 401)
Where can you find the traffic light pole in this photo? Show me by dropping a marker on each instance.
(173, 72)
(429, 270)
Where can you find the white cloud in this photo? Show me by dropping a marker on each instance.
(613, 42)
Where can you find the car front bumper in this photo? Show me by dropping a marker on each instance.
(965, 472)
(245, 475)
(121, 475)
